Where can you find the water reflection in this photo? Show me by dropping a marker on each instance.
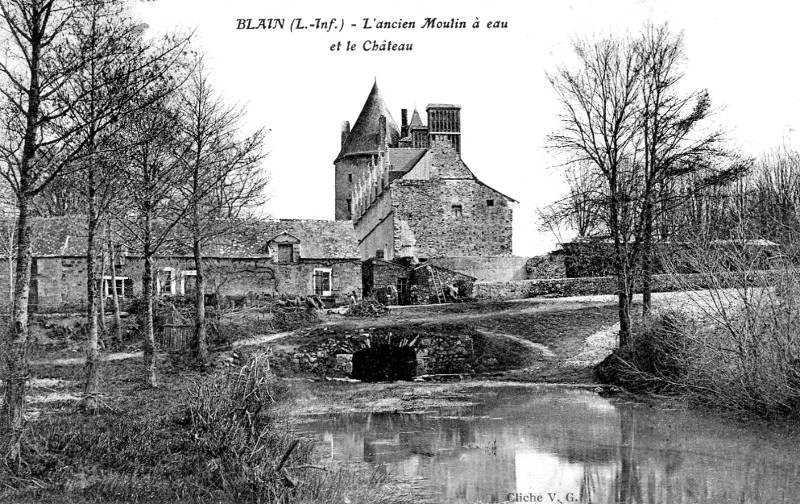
(570, 444)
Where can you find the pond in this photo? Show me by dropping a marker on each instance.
(545, 444)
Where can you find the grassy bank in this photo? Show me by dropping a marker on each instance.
(221, 436)
(224, 437)
(739, 355)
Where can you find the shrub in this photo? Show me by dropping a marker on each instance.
(656, 359)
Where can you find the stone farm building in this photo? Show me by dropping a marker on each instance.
(409, 193)
(262, 258)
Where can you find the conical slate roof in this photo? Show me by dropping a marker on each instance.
(365, 135)
(415, 119)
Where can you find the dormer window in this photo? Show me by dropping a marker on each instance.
(284, 248)
(285, 253)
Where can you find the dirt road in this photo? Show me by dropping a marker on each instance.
(475, 313)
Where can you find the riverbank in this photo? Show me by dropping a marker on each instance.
(150, 445)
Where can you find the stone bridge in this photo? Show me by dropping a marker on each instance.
(383, 354)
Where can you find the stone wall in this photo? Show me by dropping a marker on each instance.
(355, 166)
(60, 282)
(377, 274)
(587, 286)
(436, 353)
(428, 225)
(596, 258)
(375, 229)
(546, 266)
(249, 276)
(486, 268)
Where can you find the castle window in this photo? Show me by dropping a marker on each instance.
(458, 211)
(350, 177)
(489, 202)
(349, 205)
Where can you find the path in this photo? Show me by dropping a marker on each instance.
(435, 314)
(537, 347)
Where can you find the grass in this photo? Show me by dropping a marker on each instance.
(198, 438)
(558, 330)
(218, 437)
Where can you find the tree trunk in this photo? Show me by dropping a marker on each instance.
(624, 310)
(101, 294)
(147, 292)
(621, 261)
(10, 260)
(149, 333)
(114, 294)
(200, 343)
(16, 344)
(91, 372)
(647, 257)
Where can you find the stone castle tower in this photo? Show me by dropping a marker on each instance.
(409, 193)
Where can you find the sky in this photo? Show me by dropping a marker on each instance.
(294, 85)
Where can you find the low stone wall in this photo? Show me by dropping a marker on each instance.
(486, 268)
(333, 356)
(587, 286)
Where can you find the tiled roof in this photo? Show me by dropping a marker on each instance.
(55, 236)
(319, 239)
(365, 135)
(404, 159)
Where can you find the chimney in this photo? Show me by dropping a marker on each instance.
(444, 124)
(403, 123)
(382, 133)
(345, 131)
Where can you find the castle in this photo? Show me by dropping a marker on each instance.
(409, 193)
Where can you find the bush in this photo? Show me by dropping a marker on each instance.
(656, 359)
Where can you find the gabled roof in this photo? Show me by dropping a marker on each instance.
(284, 237)
(364, 138)
(319, 239)
(421, 160)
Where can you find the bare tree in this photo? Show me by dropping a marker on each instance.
(599, 119)
(48, 136)
(154, 173)
(674, 140)
(120, 68)
(224, 175)
(639, 139)
(39, 146)
(578, 210)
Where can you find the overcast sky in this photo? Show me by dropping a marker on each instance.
(744, 53)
